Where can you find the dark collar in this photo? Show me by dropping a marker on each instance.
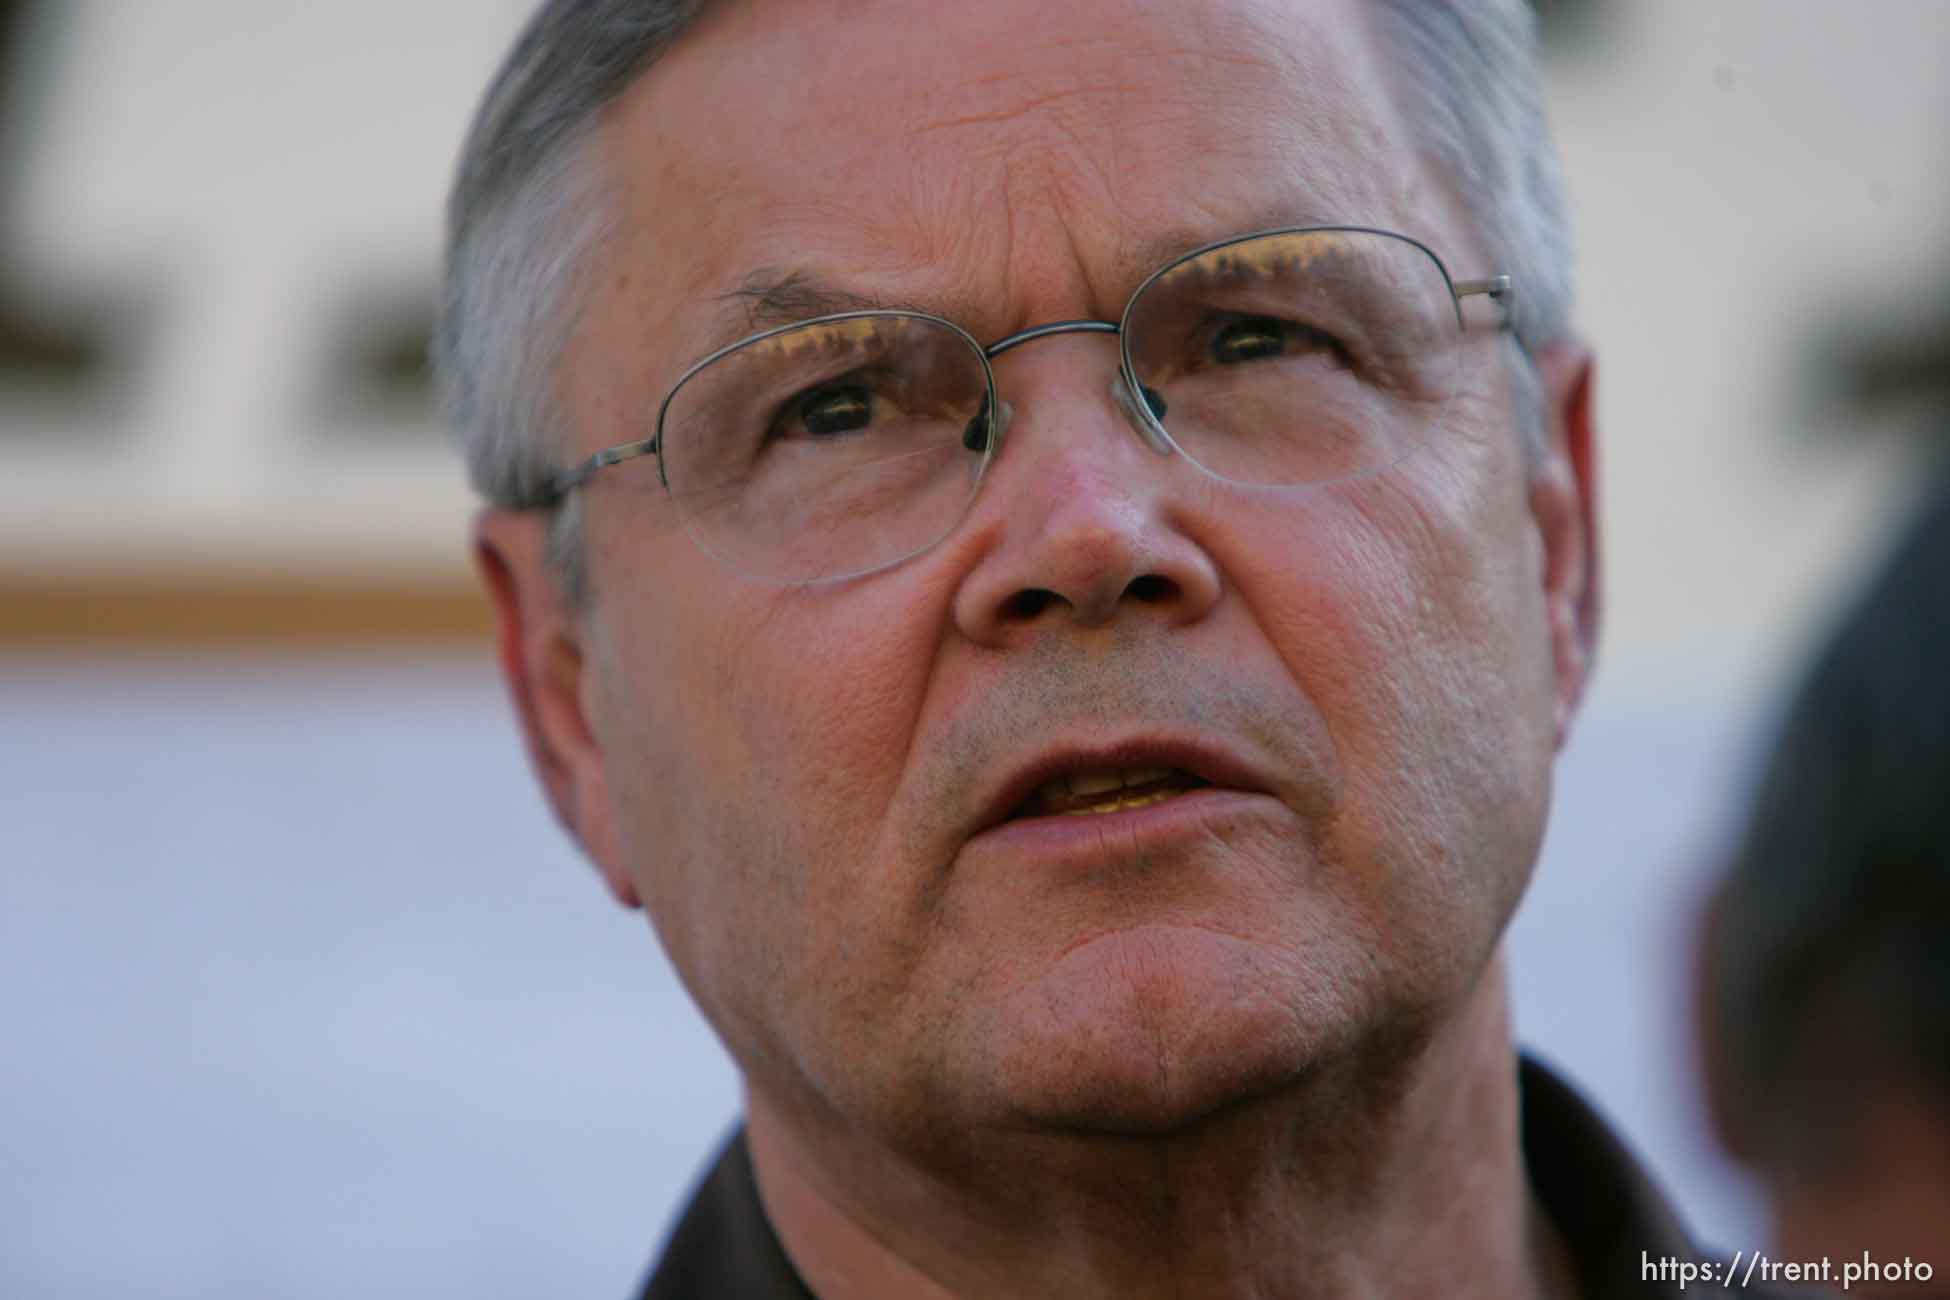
(1613, 1219)
(724, 1247)
(1624, 1239)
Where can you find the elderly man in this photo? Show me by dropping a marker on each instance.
(1050, 549)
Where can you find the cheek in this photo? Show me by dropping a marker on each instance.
(753, 740)
(1409, 610)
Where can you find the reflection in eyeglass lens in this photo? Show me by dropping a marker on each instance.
(1301, 357)
(828, 447)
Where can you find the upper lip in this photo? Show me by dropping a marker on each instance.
(1211, 763)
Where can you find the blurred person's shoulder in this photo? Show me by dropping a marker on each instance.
(1625, 1238)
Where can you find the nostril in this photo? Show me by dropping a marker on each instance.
(1031, 602)
(1028, 603)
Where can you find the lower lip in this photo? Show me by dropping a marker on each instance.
(1088, 839)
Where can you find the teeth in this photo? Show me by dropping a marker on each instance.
(1119, 805)
(1089, 783)
(1060, 794)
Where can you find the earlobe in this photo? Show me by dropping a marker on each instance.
(540, 649)
(1564, 503)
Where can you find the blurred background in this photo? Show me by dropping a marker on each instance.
(302, 992)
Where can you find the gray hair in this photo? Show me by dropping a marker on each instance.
(525, 215)
(528, 208)
(1467, 71)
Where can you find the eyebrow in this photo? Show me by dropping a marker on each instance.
(772, 296)
(1140, 260)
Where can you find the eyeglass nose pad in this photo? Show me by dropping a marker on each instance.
(1143, 416)
(978, 436)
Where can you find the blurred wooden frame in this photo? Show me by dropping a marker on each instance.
(213, 612)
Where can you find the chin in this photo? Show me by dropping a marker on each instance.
(1132, 1098)
(1153, 1032)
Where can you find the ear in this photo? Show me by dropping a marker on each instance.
(1564, 503)
(540, 642)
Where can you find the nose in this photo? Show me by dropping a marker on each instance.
(1083, 523)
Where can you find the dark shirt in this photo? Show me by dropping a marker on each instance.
(1620, 1231)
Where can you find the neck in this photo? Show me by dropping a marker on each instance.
(1400, 1177)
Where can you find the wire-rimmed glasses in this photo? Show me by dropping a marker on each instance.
(840, 445)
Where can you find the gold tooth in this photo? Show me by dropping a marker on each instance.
(1135, 801)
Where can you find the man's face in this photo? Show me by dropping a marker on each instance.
(813, 789)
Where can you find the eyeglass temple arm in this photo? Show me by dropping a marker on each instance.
(1498, 289)
(560, 485)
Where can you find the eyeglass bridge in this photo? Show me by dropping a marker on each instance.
(976, 436)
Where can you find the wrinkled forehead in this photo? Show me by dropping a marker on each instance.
(1002, 161)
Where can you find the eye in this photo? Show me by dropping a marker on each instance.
(827, 410)
(1254, 338)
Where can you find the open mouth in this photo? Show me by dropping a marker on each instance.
(1092, 793)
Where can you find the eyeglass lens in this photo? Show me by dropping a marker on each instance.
(844, 445)
(1300, 357)
(830, 448)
